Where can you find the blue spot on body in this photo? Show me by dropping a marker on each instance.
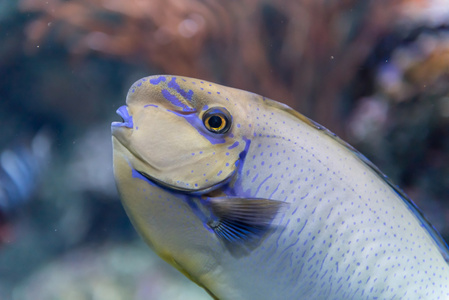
(262, 183)
(255, 177)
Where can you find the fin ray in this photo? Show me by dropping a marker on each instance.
(242, 219)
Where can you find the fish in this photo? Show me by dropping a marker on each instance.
(250, 199)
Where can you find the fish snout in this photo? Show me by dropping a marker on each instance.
(127, 119)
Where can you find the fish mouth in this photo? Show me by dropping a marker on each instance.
(127, 119)
(172, 188)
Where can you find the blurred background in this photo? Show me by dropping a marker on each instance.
(374, 72)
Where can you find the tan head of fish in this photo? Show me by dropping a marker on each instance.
(176, 138)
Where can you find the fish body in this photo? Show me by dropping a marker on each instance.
(252, 200)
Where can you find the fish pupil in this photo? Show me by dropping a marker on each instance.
(215, 122)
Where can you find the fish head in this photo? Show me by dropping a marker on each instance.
(183, 134)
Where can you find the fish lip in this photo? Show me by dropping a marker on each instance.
(123, 112)
(172, 188)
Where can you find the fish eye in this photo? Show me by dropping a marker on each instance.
(217, 120)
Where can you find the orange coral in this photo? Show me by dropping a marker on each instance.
(299, 52)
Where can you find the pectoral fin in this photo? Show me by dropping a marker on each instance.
(237, 220)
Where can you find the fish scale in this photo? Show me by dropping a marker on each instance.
(276, 208)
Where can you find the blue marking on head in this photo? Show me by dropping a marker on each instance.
(233, 145)
(175, 101)
(156, 81)
(242, 154)
(173, 84)
(148, 105)
(136, 174)
(237, 189)
(197, 123)
(128, 120)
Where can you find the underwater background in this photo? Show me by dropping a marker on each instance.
(374, 72)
